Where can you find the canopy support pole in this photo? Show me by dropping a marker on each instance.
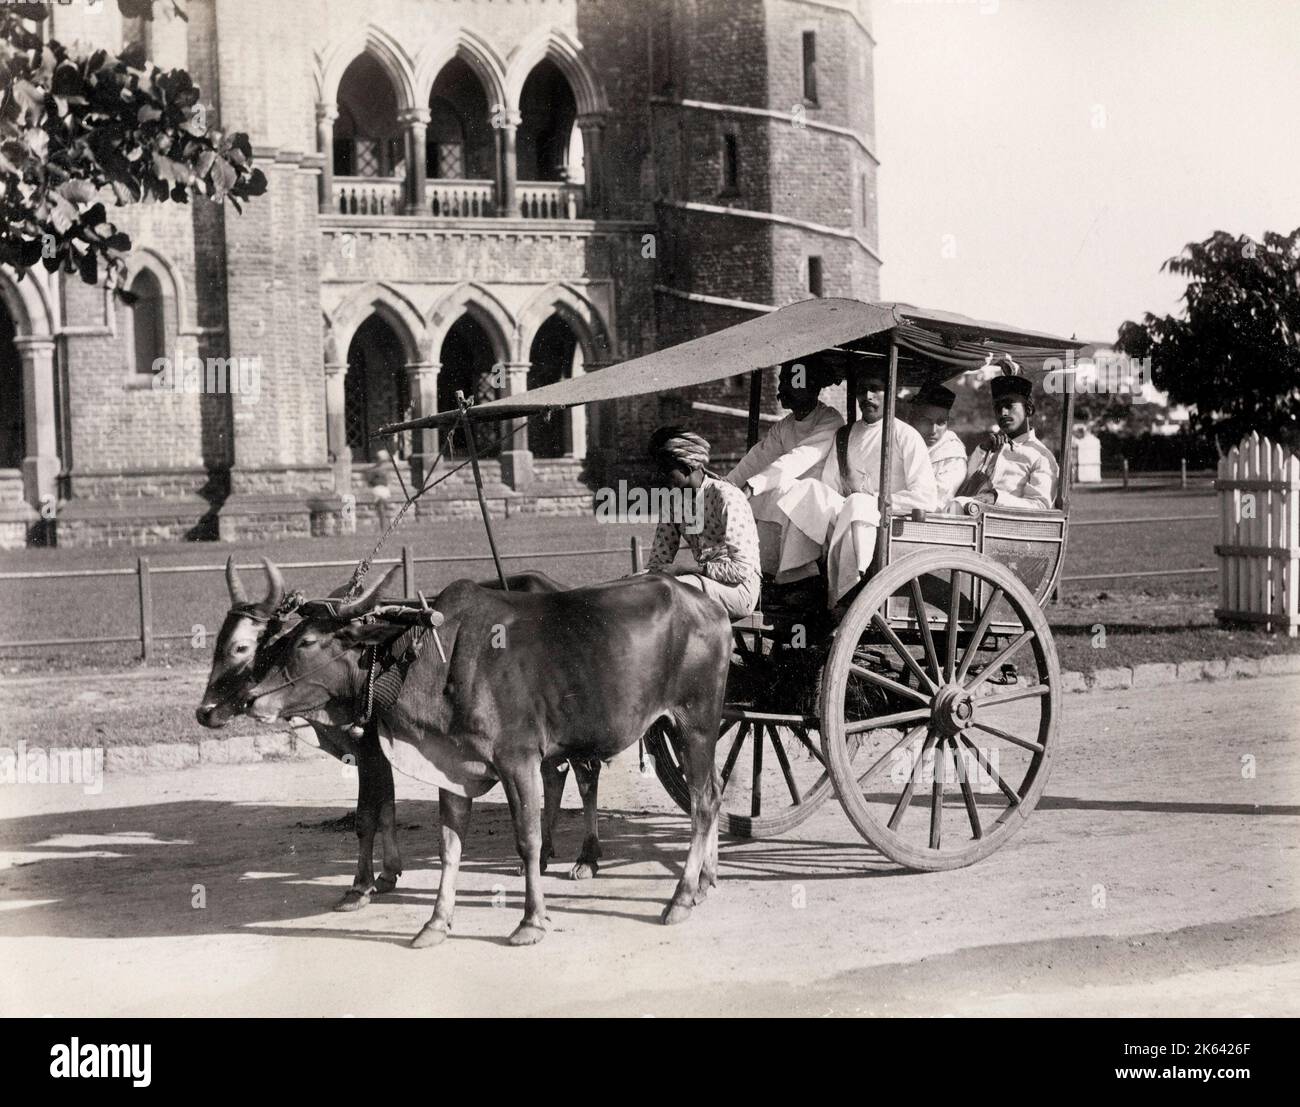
(886, 454)
(755, 407)
(472, 446)
(1067, 438)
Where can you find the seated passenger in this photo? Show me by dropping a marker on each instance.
(795, 447)
(1012, 468)
(838, 514)
(715, 520)
(928, 412)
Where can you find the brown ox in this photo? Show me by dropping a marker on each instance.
(530, 679)
(246, 631)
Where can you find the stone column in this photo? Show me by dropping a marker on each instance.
(506, 124)
(422, 380)
(516, 457)
(415, 125)
(326, 114)
(336, 429)
(593, 127)
(40, 433)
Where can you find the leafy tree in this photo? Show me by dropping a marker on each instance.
(77, 131)
(1234, 355)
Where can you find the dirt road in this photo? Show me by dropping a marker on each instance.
(1158, 876)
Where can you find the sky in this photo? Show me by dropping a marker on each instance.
(1040, 159)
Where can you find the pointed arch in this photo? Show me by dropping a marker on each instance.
(476, 52)
(27, 303)
(391, 305)
(486, 308)
(577, 310)
(566, 52)
(333, 60)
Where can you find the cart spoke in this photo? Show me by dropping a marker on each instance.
(810, 745)
(882, 721)
(918, 610)
(981, 629)
(733, 753)
(784, 762)
(907, 739)
(1007, 790)
(889, 685)
(903, 652)
(972, 812)
(936, 798)
(997, 663)
(954, 607)
(756, 786)
(1018, 694)
(1023, 743)
(905, 800)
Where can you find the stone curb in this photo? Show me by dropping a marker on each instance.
(249, 749)
(245, 749)
(1155, 674)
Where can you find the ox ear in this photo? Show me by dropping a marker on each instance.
(369, 597)
(236, 586)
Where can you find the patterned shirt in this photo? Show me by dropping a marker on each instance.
(720, 533)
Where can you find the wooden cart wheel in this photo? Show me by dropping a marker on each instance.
(978, 728)
(773, 775)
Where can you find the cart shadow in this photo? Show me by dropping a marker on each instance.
(206, 867)
(1165, 807)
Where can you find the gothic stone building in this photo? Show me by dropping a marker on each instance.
(474, 196)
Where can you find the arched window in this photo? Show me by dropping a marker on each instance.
(147, 334)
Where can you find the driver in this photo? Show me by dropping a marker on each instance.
(715, 520)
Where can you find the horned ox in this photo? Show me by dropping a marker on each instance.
(245, 632)
(530, 679)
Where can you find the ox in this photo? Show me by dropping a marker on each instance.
(530, 679)
(249, 627)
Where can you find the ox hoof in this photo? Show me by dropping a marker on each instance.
(676, 913)
(583, 869)
(353, 900)
(431, 934)
(527, 934)
(386, 884)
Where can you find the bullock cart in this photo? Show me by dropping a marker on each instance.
(930, 704)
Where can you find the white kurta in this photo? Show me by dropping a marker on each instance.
(792, 449)
(1025, 473)
(842, 520)
(948, 457)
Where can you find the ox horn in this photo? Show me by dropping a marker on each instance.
(236, 586)
(274, 585)
(368, 598)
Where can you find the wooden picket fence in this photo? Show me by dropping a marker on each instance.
(1259, 552)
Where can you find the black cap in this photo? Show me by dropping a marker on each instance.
(1019, 387)
(935, 395)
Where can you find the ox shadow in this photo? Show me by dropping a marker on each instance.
(141, 871)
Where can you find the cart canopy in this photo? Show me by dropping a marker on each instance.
(932, 345)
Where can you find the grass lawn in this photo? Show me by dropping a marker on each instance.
(1145, 619)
